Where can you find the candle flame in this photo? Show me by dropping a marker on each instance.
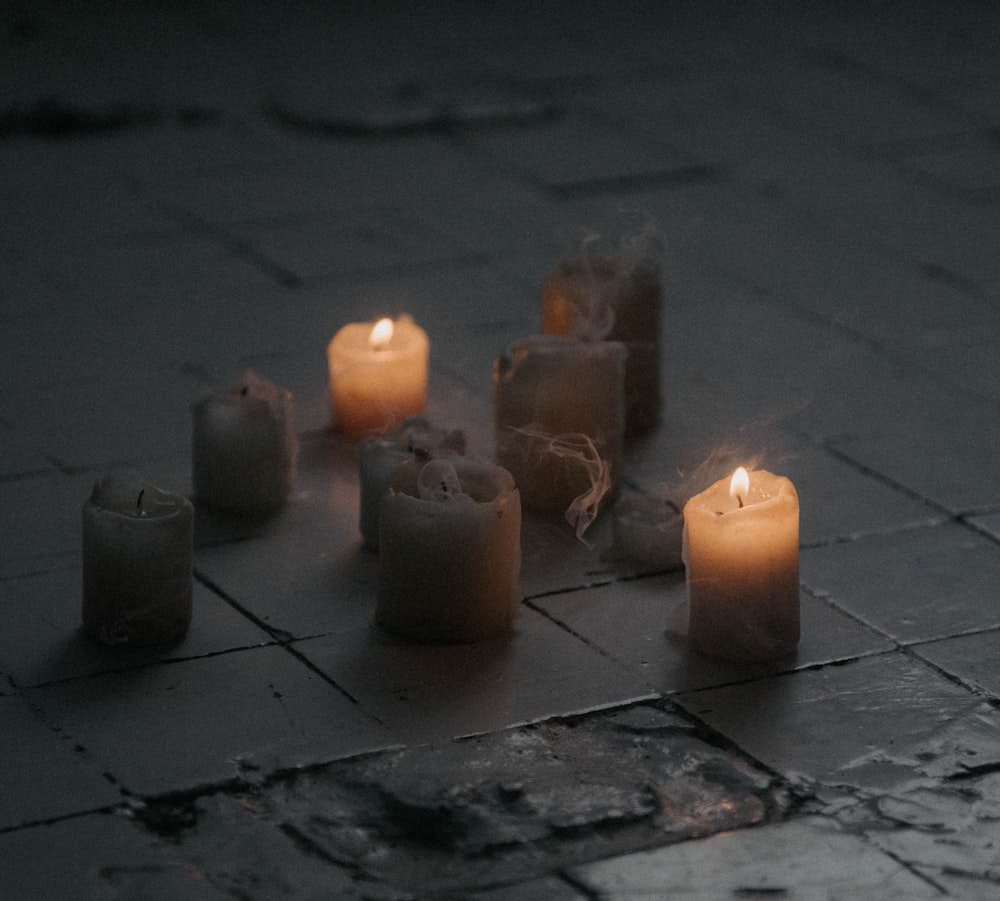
(740, 484)
(381, 333)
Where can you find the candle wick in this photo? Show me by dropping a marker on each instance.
(739, 501)
(138, 501)
(243, 391)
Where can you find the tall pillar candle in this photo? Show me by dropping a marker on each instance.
(605, 300)
(378, 457)
(741, 549)
(559, 422)
(244, 447)
(137, 552)
(378, 374)
(450, 551)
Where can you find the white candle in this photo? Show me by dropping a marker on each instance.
(137, 550)
(741, 549)
(244, 447)
(605, 300)
(378, 457)
(559, 420)
(450, 559)
(378, 374)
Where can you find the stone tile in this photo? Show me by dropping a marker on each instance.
(97, 856)
(653, 643)
(949, 833)
(952, 471)
(803, 858)
(240, 852)
(353, 241)
(112, 418)
(46, 643)
(971, 658)
(64, 204)
(427, 692)
(942, 581)
(522, 804)
(158, 729)
(18, 459)
(988, 523)
(705, 112)
(877, 200)
(44, 775)
(852, 103)
(41, 522)
(547, 889)
(125, 311)
(575, 149)
(330, 176)
(938, 728)
(967, 164)
(306, 572)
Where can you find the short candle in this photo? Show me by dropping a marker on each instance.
(450, 551)
(741, 550)
(137, 555)
(378, 374)
(243, 447)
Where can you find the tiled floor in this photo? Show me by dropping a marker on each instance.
(187, 192)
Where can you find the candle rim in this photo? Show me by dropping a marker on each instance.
(353, 340)
(716, 496)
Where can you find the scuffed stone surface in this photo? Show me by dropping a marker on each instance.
(950, 831)
(492, 810)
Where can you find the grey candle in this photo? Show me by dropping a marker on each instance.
(137, 550)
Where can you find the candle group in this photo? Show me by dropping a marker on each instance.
(137, 555)
(741, 549)
(378, 374)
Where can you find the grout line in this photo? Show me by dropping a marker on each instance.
(284, 640)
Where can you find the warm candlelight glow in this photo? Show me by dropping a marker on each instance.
(739, 485)
(381, 333)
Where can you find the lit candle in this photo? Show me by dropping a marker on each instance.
(606, 300)
(137, 550)
(741, 549)
(559, 420)
(244, 447)
(378, 374)
(450, 551)
(378, 457)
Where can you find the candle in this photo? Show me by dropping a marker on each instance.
(741, 549)
(244, 447)
(604, 300)
(378, 374)
(137, 550)
(450, 559)
(378, 457)
(559, 421)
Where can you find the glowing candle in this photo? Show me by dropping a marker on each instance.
(244, 447)
(378, 374)
(137, 550)
(741, 549)
(450, 551)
